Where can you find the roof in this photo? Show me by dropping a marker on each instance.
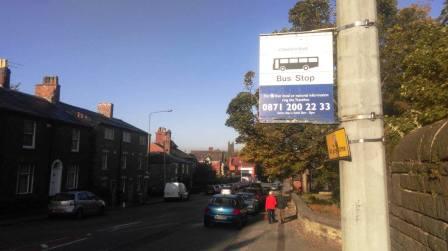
(233, 196)
(36, 106)
(94, 118)
(215, 155)
(16, 101)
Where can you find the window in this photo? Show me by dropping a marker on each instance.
(303, 60)
(29, 134)
(25, 179)
(293, 60)
(83, 196)
(76, 136)
(139, 182)
(283, 61)
(127, 137)
(142, 140)
(124, 160)
(140, 162)
(72, 177)
(104, 159)
(109, 133)
(313, 60)
(123, 183)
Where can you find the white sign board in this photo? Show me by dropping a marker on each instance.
(296, 78)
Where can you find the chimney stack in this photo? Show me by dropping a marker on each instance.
(106, 109)
(163, 138)
(5, 74)
(49, 89)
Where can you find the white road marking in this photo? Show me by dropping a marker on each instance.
(67, 243)
(118, 227)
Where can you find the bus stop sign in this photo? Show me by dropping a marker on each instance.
(296, 78)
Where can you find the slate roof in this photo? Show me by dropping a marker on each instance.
(94, 118)
(16, 101)
(215, 155)
(35, 106)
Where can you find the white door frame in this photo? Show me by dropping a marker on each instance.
(55, 178)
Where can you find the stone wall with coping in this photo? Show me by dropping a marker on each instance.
(418, 190)
(316, 223)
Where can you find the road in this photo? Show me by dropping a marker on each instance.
(162, 226)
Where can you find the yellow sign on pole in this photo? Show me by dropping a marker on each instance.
(337, 145)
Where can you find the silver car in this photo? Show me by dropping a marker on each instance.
(75, 203)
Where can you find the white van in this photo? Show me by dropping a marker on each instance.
(175, 190)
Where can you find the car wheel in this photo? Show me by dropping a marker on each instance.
(306, 67)
(239, 224)
(101, 211)
(79, 214)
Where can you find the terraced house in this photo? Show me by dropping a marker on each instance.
(47, 146)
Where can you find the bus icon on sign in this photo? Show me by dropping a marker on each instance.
(295, 63)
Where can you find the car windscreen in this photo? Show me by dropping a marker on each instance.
(223, 202)
(63, 197)
(247, 196)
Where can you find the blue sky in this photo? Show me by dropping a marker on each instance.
(145, 55)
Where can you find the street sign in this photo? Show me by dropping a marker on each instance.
(337, 145)
(296, 78)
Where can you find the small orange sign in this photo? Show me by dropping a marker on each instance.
(337, 145)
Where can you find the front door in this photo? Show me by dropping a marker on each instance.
(55, 178)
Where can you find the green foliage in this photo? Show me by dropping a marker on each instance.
(414, 72)
(310, 14)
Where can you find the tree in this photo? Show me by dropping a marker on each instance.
(310, 14)
(415, 72)
(248, 80)
(444, 13)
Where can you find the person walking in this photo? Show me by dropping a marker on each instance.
(271, 203)
(281, 205)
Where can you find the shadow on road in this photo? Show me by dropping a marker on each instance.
(241, 244)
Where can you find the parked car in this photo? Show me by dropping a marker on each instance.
(252, 204)
(175, 190)
(227, 209)
(260, 194)
(75, 203)
(210, 189)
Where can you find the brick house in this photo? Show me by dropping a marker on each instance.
(242, 168)
(167, 163)
(214, 157)
(43, 150)
(119, 170)
(110, 156)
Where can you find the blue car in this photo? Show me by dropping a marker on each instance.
(228, 209)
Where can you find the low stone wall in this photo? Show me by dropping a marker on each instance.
(418, 190)
(316, 223)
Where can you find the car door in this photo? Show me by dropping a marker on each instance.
(83, 202)
(93, 202)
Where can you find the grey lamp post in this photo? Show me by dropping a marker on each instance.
(149, 138)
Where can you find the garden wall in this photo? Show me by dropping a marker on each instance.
(418, 190)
